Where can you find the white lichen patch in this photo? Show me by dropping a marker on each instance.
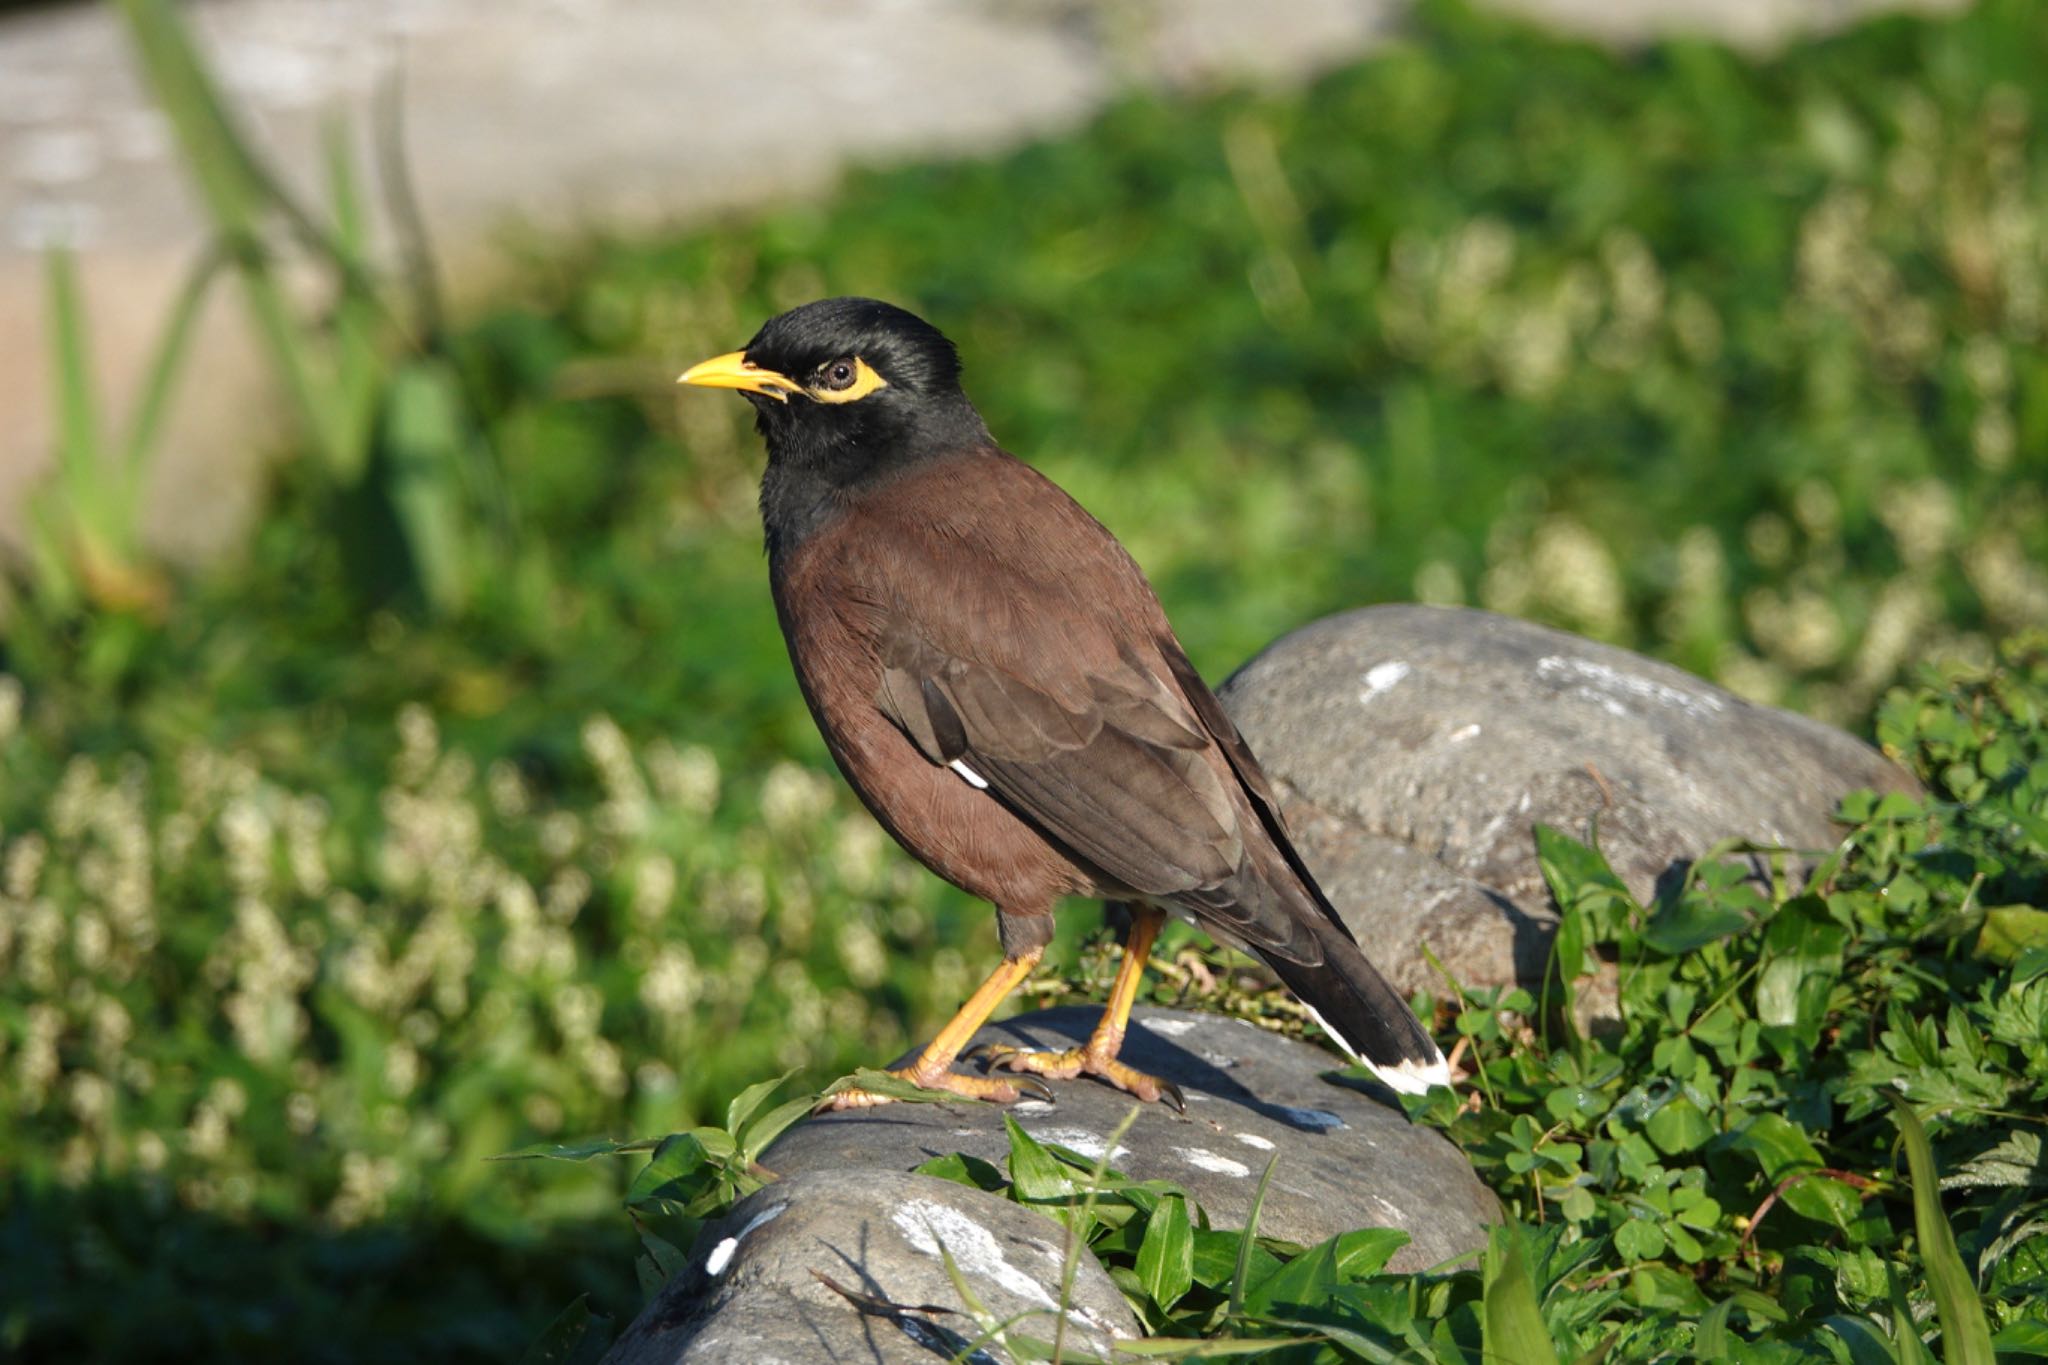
(1320, 1119)
(1031, 1107)
(927, 1225)
(1463, 733)
(1254, 1140)
(1080, 1140)
(1610, 688)
(1171, 1028)
(1382, 678)
(1201, 1158)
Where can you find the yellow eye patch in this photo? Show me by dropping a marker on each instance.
(864, 382)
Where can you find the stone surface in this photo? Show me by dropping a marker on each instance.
(750, 1291)
(1416, 748)
(1347, 1158)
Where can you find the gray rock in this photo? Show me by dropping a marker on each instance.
(1416, 747)
(751, 1290)
(1346, 1158)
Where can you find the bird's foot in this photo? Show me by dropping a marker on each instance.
(999, 1091)
(1093, 1060)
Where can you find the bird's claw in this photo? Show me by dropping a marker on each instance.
(1079, 1061)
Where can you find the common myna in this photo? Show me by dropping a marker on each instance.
(999, 684)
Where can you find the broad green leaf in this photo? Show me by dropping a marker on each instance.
(1511, 1318)
(1366, 1251)
(1661, 1287)
(962, 1169)
(1689, 924)
(2010, 930)
(1866, 1344)
(1166, 1258)
(1304, 1282)
(1035, 1173)
(1216, 1255)
(675, 1171)
(1678, 1126)
(1802, 960)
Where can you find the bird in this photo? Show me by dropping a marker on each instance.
(998, 683)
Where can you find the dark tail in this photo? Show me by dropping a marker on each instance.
(1356, 1007)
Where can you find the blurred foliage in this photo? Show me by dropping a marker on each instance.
(410, 491)
(309, 898)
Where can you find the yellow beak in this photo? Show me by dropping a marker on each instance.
(734, 371)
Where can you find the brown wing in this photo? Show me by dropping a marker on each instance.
(1045, 669)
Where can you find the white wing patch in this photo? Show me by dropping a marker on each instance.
(974, 779)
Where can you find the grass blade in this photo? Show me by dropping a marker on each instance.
(168, 360)
(1965, 1333)
(78, 435)
(1251, 1237)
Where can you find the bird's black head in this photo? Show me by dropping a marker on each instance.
(846, 392)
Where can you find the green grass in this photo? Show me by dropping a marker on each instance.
(309, 899)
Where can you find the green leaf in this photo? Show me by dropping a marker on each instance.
(747, 1101)
(576, 1335)
(1803, 949)
(2027, 1336)
(1035, 1173)
(1302, 1283)
(1511, 1318)
(1866, 1344)
(2016, 1160)
(685, 1168)
(1689, 924)
(962, 1169)
(1639, 1239)
(1366, 1251)
(761, 1133)
(1678, 1126)
(424, 434)
(2011, 930)
(1166, 1258)
(1251, 1232)
(1965, 1333)
(1216, 1257)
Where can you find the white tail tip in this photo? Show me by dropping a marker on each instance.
(1410, 1078)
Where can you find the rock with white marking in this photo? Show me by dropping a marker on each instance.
(751, 1289)
(1347, 1158)
(1416, 747)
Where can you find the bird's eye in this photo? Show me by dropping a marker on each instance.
(837, 375)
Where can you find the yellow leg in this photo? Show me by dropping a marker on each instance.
(933, 1069)
(1098, 1058)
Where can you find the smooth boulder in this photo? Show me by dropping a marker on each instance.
(1415, 748)
(1347, 1157)
(752, 1289)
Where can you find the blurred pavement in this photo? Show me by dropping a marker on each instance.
(568, 114)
